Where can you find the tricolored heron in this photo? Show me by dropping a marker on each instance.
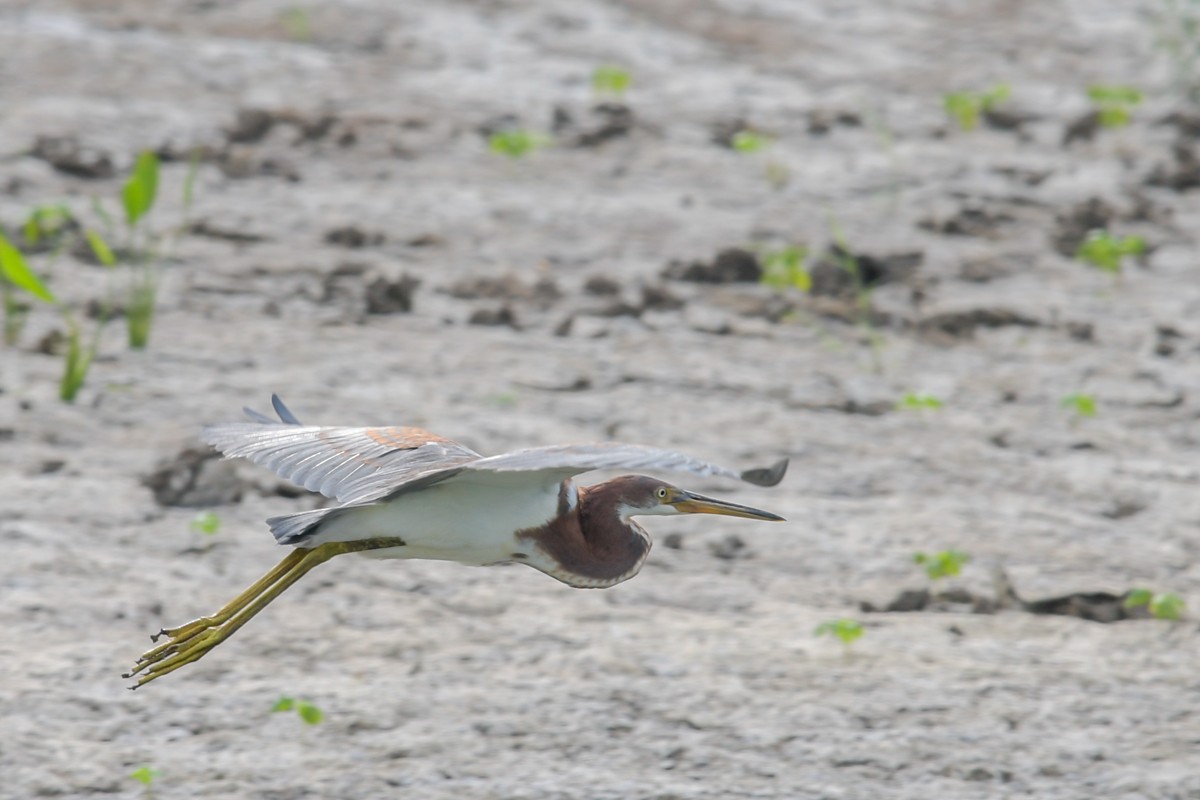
(408, 493)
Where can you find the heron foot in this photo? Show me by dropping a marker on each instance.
(193, 640)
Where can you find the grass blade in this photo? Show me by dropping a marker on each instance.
(141, 189)
(17, 272)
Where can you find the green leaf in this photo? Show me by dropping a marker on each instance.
(75, 366)
(748, 141)
(100, 248)
(206, 522)
(1114, 117)
(785, 268)
(516, 143)
(1115, 95)
(140, 190)
(1084, 405)
(17, 272)
(309, 713)
(284, 704)
(914, 401)
(846, 630)
(609, 79)
(996, 95)
(964, 108)
(944, 564)
(45, 221)
(1167, 606)
(145, 775)
(1137, 597)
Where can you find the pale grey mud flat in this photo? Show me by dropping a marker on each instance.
(355, 247)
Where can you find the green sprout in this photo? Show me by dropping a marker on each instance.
(747, 141)
(918, 401)
(1106, 252)
(965, 108)
(609, 80)
(784, 268)
(1114, 104)
(206, 522)
(145, 775)
(141, 190)
(307, 711)
(1083, 405)
(138, 196)
(48, 222)
(517, 142)
(297, 24)
(1162, 605)
(943, 564)
(17, 273)
(845, 630)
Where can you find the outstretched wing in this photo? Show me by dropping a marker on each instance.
(573, 459)
(352, 465)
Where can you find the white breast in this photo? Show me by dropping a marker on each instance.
(471, 519)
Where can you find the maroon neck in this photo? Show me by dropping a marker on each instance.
(592, 546)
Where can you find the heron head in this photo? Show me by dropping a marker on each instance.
(642, 495)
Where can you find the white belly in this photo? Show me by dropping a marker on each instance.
(469, 520)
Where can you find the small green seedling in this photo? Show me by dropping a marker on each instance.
(15, 274)
(1107, 252)
(79, 356)
(1082, 405)
(1162, 605)
(297, 24)
(847, 631)
(138, 196)
(46, 223)
(307, 711)
(748, 141)
(145, 775)
(206, 522)
(965, 108)
(141, 189)
(785, 268)
(919, 401)
(517, 143)
(943, 564)
(611, 81)
(1114, 104)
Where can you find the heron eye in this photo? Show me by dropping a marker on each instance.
(662, 493)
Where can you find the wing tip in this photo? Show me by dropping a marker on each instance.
(285, 414)
(766, 476)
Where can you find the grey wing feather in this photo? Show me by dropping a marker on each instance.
(343, 463)
(285, 414)
(573, 459)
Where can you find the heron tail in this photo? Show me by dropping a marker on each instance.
(296, 529)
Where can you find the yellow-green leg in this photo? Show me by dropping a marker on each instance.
(177, 636)
(190, 642)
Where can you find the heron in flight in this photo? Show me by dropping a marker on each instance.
(407, 493)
